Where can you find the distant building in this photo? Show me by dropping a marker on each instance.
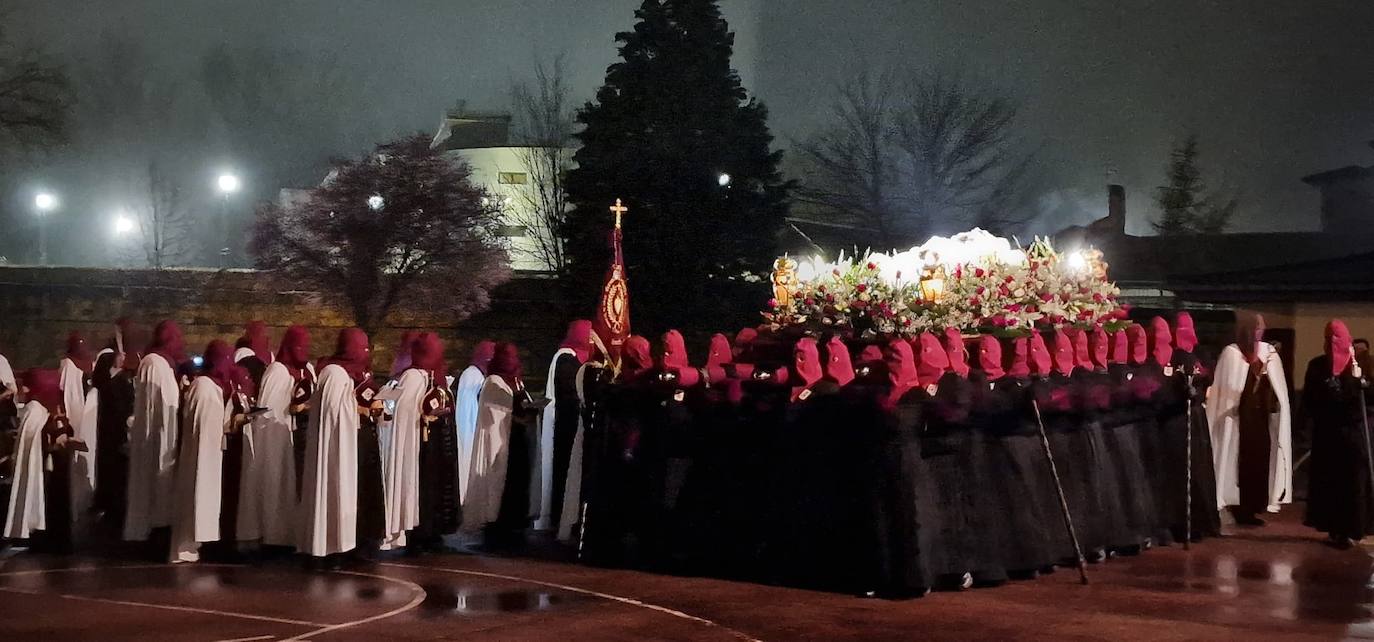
(483, 141)
(1297, 280)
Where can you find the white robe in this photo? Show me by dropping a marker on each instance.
(27, 512)
(541, 483)
(1223, 419)
(572, 493)
(329, 488)
(490, 455)
(199, 470)
(7, 375)
(401, 466)
(267, 485)
(465, 418)
(81, 406)
(152, 448)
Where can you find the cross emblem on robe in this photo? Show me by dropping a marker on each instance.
(618, 210)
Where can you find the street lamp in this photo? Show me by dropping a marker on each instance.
(123, 224)
(227, 184)
(376, 202)
(45, 204)
(723, 180)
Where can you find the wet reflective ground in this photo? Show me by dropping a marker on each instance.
(1274, 582)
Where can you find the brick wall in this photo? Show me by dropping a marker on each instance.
(40, 305)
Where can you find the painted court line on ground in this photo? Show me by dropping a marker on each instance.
(166, 607)
(415, 601)
(573, 589)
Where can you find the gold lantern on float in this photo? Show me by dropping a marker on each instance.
(784, 281)
(1096, 266)
(932, 284)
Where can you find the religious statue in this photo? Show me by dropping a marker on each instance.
(784, 281)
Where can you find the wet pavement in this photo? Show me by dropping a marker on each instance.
(1273, 582)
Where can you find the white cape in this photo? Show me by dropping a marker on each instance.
(267, 486)
(1223, 403)
(401, 466)
(152, 448)
(572, 493)
(7, 375)
(541, 482)
(490, 455)
(81, 406)
(465, 418)
(329, 488)
(26, 512)
(199, 470)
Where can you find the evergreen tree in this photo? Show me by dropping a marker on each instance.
(676, 136)
(1187, 206)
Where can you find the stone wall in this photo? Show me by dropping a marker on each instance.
(40, 305)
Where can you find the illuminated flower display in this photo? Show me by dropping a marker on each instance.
(974, 281)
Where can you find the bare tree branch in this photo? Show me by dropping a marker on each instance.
(545, 134)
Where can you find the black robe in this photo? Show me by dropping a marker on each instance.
(1078, 459)
(1173, 419)
(1340, 501)
(440, 513)
(1126, 453)
(57, 492)
(116, 409)
(1014, 460)
(371, 525)
(566, 410)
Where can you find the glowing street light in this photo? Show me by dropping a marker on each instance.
(45, 202)
(723, 180)
(376, 202)
(123, 225)
(228, 183)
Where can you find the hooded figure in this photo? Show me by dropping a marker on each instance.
(718, 357)
(253, 350)
(401, 362)
(207, 417)
(902, 372)
(806, 368)
(492, 441)
(838, 367)
(80, 404)
(1185, 336)
(466, 395)
(1082, 350)
(932, 360)
(558, 426)
(956, 351)
(990, 358)
(1120, 352)
(1017, 359)
(1100, 346)
(113, 379)
(1248, 414)
(268, 483)
(1161, 342)
(439, 502)
(153, 434)
(401, 464)
(1340, 500)
(329, 505)
(1138, 340)
(28, 501)
(1064, 358)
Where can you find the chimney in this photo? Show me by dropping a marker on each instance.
(1116, 210)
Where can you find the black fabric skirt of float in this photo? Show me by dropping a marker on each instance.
(967, 533)
(371, 497)
(1077, 462)
(440, 513)
(1128, 504)
(1026, 498)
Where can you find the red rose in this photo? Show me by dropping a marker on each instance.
(861, 288)
(773, 303)
(978, 272)
(1046, 297)
(872, 266)
(810, 301)
(1014, 307)
(973, 301)
(980, 290)
(1097, 298)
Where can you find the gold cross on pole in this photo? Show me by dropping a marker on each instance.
(618, 209)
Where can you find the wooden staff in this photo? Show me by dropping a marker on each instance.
(1188, 474)
(1059, 488)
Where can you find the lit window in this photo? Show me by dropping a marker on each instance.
(512, 178)
(512, 231)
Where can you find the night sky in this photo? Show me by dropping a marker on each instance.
(1276, 90)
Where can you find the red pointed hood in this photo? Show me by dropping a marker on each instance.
(1064, 362)
(218, 364)
(352, 352)
(44, 385)
(1017, 358)
(1100, 345)
(744, 339)
(636, 358)
(932, 362)
(482, 354)
(1161, 342)
(167, 341)
(1249, 334)
(674, 358)
(255, 338)
(79, 352)
(579, 339)
(1185, 335)
(294, 351)
(717, 357)
(956, 351)
(990, 357)
(1120, 353)
(1139, 344)
(506, 365)
(806, 365)
(1041, 363)
(427, 353)
(902, 372)
(1339, 346)
(838, 366)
